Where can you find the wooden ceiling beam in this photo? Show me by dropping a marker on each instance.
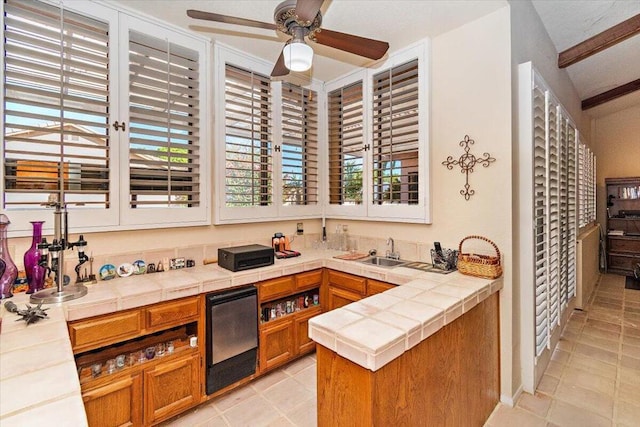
(610, 95)
(599, 42)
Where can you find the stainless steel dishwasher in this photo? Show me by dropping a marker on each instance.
(232, 332)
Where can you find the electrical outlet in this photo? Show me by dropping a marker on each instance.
(299, 229)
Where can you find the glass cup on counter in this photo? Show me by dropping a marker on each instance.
(120, 361)
(170, 347)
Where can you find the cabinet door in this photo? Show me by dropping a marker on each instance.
(303, 343)
(276, 343)
(348, 282)
(118, 403)
(339, 297)
(376, 287)
(171, 387)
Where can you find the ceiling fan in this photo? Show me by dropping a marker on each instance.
(301, 19)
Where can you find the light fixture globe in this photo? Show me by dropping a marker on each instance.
(297, 56)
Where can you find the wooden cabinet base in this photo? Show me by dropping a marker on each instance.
(449, 379)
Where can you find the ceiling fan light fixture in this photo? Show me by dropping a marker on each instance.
(298, 56)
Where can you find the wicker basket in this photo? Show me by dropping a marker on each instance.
(487, 266)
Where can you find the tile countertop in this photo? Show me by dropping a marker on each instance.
(38, 378)
(376, 330)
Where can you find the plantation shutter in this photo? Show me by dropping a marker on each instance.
(540, 218)
(553, 171)
(346, 145)
(248, 145)
(56, 121)
(572, 207)
(299, 145)
(582, 208)
(395, 135)
(164, 155)
(564, 214)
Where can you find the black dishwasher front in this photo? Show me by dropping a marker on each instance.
(232, 332)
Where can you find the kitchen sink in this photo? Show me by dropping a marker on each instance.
(381, 261)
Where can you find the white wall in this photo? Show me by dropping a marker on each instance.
(616, 143)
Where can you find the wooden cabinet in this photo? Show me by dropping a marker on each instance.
(623, 225)
(376, 287)
(340, 297)
(115, 403)
(98, 332)
(343, 289)
(171, 387)
(276, 288)
(276, 343)
(141, 392)
(286, 305)
(304, 344)
(101, 331)
(347, 281)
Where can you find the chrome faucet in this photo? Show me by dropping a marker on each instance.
(392, 254)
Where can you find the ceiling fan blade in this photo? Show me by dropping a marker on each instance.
(369, 48)
(306, 10)
(279, 69)
(209, 16)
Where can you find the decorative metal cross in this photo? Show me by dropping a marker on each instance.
(467, 162)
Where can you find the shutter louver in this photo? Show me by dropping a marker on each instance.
(56, 121)
(572, 208)
(553, 170)
(299, 146)
(164, 155)
(395, 135)
(540, 217)
(248, 145)
(346, 135)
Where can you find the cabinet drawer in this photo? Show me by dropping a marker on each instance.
(271, 289)
(309, 280)
(94, 333)
(348, 282)
(172, 313)
(624, 244)
(376, 287)
(624, 262)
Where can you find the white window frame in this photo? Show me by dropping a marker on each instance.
(224, 55)
(118, 216)
(420, 212)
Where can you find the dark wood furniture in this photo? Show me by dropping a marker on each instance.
(623, 224)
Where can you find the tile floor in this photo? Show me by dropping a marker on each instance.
(592, 380)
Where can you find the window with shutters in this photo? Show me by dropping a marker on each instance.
(378, 152)
(299, 158)
(586, 186)
(248, 152)
(164, 120)
(56, 107)
(79, 89)
(554, 166)
(394, 144)
(346, 140)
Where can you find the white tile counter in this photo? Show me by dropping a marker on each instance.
(376, 330)
(38, 378)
